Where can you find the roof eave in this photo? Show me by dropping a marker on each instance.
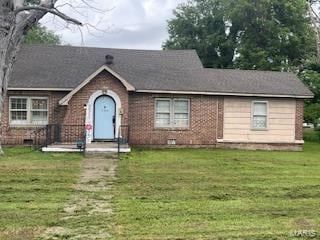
(39, 89)
(227, 94)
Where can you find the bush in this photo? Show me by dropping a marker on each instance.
(312, 135)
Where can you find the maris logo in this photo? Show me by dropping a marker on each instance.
(304, 233)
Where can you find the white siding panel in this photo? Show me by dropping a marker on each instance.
(276, 132)
(237, 120)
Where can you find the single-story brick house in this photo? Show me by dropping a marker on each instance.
(165, 97)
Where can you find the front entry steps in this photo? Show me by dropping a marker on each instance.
(96, 147)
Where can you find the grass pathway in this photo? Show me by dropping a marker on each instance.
(88, 213)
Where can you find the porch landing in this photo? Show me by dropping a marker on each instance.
(97, 147)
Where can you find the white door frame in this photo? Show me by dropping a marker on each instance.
(90, 113)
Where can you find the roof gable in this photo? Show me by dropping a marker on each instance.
(65, 100)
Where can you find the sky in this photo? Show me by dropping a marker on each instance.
(133, 24)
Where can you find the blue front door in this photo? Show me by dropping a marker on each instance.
(104, 118)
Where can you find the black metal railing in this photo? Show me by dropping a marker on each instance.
(123, 137)
(69, 134)
(38, 137)
(61, 135)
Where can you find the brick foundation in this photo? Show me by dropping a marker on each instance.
(263, 146)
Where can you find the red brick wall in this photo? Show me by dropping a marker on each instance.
(15, 135)
(75, 112)
(206, 115)
(299, 119)
(202, 129)
(220, 117)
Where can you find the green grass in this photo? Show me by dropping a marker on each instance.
(310, 135)
(33, 189)
(217, 194)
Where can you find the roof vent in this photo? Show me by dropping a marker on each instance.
(109, 59)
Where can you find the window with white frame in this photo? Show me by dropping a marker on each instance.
(172, 112)
(28, 110)
(259, 115)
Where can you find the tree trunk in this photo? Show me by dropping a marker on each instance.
(12, 30)
(315, 21)
(15, 20)
(8, 49)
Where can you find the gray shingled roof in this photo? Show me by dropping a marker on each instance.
(40, 66)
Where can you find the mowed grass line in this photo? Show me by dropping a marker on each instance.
(217, 194)
(34, 187)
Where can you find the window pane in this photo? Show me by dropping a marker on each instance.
(259, 122)
(163, 119)
(181, 106)
(181, 119)
(39, 117)
(18, 115)
(18, 103)
(181, 122)
(163, 106)
(39, 104)
(260, 108)
(181, 116)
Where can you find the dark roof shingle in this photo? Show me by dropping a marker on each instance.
(41, 66)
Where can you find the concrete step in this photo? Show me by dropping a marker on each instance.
(90, 148)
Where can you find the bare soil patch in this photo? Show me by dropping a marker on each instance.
(88, 213)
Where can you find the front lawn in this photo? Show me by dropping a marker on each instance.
(217, 194)
(34, 188)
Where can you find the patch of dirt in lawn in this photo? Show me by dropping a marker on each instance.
(87, 213)
(25, 234)
(303, 223)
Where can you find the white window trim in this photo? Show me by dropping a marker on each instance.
(29, 110)
(171, 113)
(267, 116)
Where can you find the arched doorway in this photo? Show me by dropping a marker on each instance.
(104, 118)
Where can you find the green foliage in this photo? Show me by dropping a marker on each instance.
(40, 35)
(216, 194)
(311, 135)
(275, 34)
(31, 2)
(246, 34)
(312, 113)
(311, 78)
(200, 25)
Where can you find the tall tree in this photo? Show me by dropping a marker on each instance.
(246, 34)
(274, 34)
(311, 77)
(16, 18)
(201, 25)
(41, 35)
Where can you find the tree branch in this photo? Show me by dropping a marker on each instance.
(53, 11)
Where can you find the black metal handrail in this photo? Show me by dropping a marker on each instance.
(123, 136)
(60, 134)
(38, 137)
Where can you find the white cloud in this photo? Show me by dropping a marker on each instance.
(138, 24)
